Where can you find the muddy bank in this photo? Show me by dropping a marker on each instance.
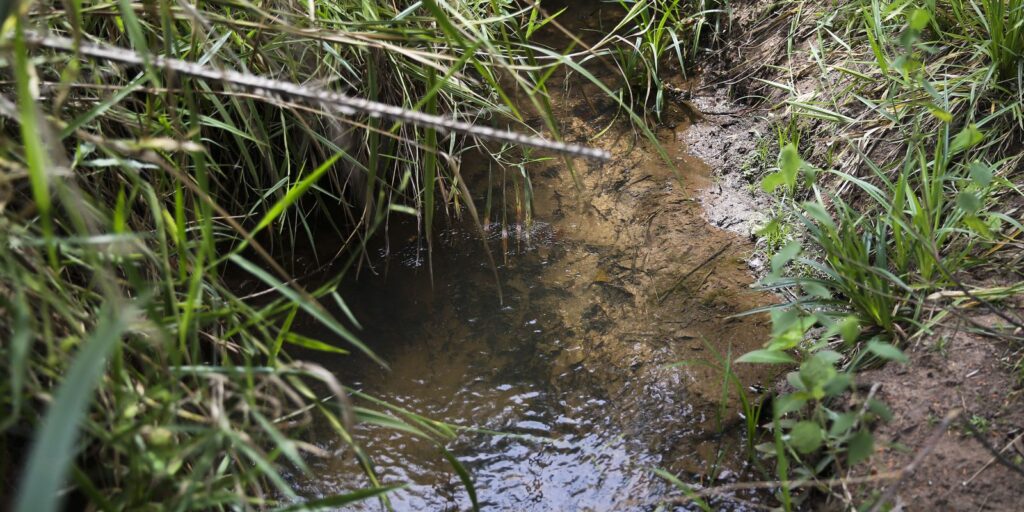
(653, 282)
(954, 368)
(729, 138)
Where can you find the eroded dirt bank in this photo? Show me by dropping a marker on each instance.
(955, 368)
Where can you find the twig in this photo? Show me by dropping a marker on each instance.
(993, 459)
(995, 453)
(679, 281)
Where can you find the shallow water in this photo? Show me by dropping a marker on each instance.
(617, 277)
(516, 366)
(459, 355)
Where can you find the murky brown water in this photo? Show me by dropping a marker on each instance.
(458, 355)
(617, 279)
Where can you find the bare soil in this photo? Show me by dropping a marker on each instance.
(955, 370)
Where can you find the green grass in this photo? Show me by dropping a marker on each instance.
(655, 42)
(134, 374)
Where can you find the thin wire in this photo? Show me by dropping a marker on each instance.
(347, 105)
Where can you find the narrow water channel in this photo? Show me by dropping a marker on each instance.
(459, 355)
(616, 277)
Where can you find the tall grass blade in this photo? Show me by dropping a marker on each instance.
(333, 502)
(54, 447)
(35, 153)
(315, 310)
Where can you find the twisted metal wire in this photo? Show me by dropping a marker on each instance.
(345, 104)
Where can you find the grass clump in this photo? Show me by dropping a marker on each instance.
(654, 43)
(135, 375)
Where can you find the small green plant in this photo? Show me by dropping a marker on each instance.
(942, 346)
(652, 32)
(761, 159)
(790, 169)
(980, 423)
(884, 234)
(775, 233)
(814, 426)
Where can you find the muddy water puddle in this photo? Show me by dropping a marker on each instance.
(457, 354)
(569, 372)
(613, 280)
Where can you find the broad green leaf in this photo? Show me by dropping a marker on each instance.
(860, 447)
(784, 256)
(940, 114)
(793, 378)
(849, 328)
(880, 409)
(788, 329)
(772, 229)
(783, 320)
(969, 137)
(806, 437)
(841, 424)
(790, 161)
(764, 356)
(790, 165)
(815, 373)
(838, 384)
(790, 402)
(829, 356)
(773, 181)
(981, 173)
(969, 201)
(919, 19)
(886, 351)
